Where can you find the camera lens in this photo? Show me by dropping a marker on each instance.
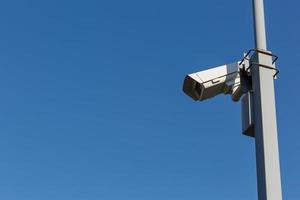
(198, 89)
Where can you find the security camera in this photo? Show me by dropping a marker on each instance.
(209, 83)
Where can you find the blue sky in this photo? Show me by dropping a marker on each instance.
(91, 103)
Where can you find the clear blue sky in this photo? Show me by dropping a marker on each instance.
(91, 103)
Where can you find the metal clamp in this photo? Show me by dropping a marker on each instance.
(274, 59)
(262, 65)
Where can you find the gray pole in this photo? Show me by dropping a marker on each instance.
(259, 24)
(266, 143)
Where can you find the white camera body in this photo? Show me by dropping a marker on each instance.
(209, 83)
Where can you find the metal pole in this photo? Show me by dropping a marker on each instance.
(259, 24)
(266, 143)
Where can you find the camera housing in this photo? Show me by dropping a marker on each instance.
(224, 79)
